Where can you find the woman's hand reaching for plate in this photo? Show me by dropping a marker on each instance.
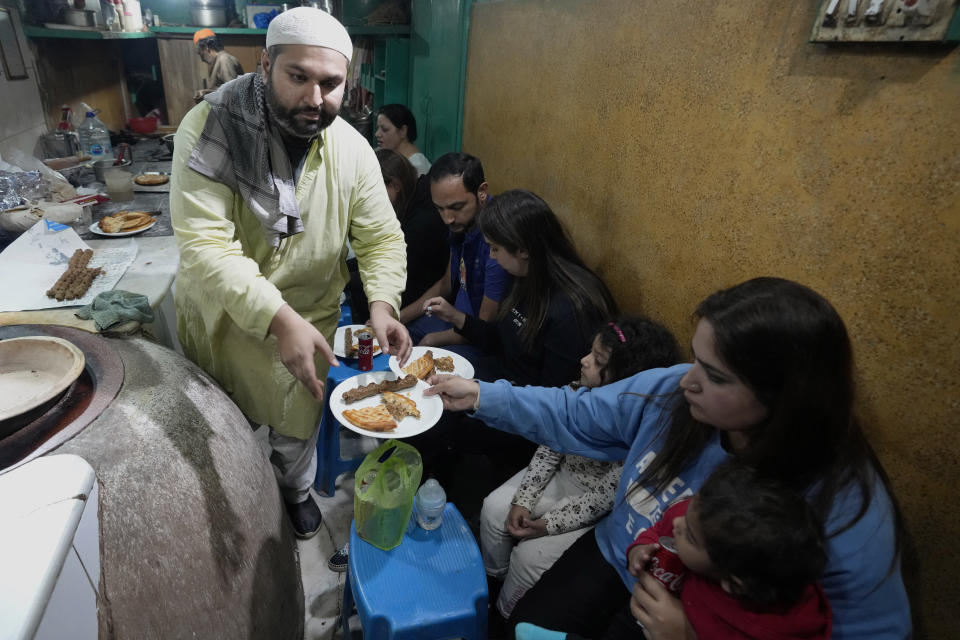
(458, 394)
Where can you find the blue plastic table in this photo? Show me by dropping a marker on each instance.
(431, 587)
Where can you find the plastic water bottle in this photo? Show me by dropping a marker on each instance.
(95, 137)
(431, 498)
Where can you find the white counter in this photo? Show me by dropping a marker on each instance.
(154, 268)
(41, 504)
(151, 274)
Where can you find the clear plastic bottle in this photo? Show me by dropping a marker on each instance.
(431, 499)
(95, 137)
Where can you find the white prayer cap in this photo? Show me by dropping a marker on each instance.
(306, 25)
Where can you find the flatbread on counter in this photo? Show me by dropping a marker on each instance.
(124, 221)
(151, 179)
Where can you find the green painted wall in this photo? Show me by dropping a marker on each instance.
(438, 52)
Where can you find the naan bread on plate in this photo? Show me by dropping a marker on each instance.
(376, 418)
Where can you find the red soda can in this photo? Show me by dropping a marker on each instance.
(365, 350)
(665, 566)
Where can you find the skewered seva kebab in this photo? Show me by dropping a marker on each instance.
(76, 280)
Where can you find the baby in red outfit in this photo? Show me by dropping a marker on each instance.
(752, 551)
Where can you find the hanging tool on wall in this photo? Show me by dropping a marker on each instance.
(874, 13)
(851, 13)
(830, 15)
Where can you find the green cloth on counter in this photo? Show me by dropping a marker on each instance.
(113, 307)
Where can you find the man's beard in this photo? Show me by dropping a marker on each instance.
(286, 119)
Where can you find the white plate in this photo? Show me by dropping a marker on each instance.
(430, 407)
(461, 366)
(338, 345)
(95, 228)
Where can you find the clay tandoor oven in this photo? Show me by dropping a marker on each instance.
(193, 538)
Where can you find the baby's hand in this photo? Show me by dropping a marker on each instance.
(639, 556)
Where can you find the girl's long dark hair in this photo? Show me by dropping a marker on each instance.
(519, 220)
(395, 168)
(789, 345)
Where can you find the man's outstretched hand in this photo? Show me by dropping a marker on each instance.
(391, 334)
(297, 341)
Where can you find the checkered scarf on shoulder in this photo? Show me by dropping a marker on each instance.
(239, 148)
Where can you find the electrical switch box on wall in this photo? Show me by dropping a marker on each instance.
(887, 21)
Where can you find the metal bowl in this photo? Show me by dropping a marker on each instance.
(100, 167)
(35, 370)
(168, 140)
(80, 17)
(208, 17)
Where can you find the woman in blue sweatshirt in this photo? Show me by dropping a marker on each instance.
(772, 384)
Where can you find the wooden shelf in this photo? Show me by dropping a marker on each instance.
(355, 30)
(226, 31)
(32, 31)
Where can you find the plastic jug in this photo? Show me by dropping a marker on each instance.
(132, 18)
(383, 500)
(95, 137)
(431, 499)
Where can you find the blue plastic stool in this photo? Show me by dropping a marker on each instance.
(431, 587)
(346, 315)
(329, 463)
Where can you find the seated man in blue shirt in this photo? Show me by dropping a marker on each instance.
(474, 281)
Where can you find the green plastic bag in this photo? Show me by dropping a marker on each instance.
(386, 483)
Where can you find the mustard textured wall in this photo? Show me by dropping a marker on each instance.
(691, 145)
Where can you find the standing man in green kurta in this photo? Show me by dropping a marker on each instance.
(268, 185)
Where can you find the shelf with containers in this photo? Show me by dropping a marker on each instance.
(421, 65)
(426, 72)
(33, 31)
(388, 76)
(366, 30)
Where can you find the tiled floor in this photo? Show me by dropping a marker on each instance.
(323, 588)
